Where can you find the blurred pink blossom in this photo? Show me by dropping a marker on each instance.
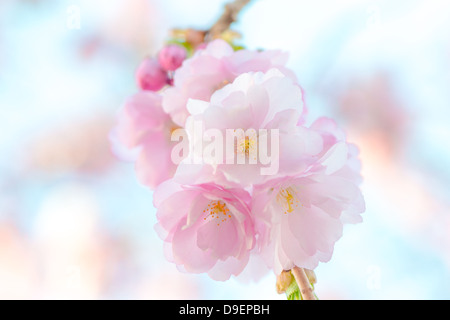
(151, 76)
(171, 57)
(145, 127)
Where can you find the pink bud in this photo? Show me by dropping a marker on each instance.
(171, 57)
(150, 76)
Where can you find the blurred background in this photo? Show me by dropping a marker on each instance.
(76, 224)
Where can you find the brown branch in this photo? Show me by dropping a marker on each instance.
(232, 10)
(303, 284)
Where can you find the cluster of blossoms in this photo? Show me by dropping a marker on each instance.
(217, 217)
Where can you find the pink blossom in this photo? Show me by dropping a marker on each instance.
(299, 218)
(256, 101)
(206, 228)
(211, 69)
(151, 76)
(145, 127)
(171, 57)
(218, 214)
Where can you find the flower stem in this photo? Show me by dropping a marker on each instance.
(229, 16)
(306, 290)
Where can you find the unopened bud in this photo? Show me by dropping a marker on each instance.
(150, 76)
(283, 281)
(311, 276)
(171, 57)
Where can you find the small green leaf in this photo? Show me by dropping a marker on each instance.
(237, 47)
(293, 292)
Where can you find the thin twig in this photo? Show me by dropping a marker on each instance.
(303, 284)
(232, 10)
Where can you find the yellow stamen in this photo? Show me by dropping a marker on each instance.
(221, 85)
(247, 146)
(288, 199)
(215, 208)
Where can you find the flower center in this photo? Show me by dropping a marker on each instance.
(218, 211)
(288, 199)
(247, 146)
(221, 85)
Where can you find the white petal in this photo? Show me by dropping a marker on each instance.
(335, 158)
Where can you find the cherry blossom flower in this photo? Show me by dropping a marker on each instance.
(278, 192)
(206, 228)
(256, 100)
(211, 69)
(300, 217)
(145, 127)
